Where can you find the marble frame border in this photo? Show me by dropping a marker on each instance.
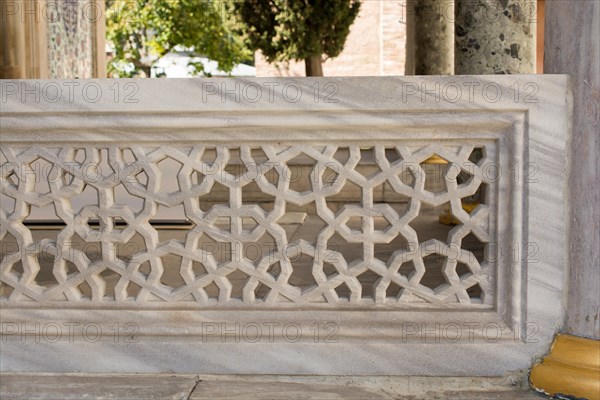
(367, 344)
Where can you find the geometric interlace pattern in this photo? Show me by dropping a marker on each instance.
(233, 196)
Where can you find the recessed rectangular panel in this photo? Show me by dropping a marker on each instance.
(326, 226)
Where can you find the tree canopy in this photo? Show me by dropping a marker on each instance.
(285, 30)
(143, 30)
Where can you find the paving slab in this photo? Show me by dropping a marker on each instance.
(234, 390)
(506, 395)
(69, 387)
(188, 387)
(221, 390)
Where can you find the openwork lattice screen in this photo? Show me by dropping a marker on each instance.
(357, 244)
(382, 217)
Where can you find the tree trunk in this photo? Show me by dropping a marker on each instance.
(314, 66)
(147, 69)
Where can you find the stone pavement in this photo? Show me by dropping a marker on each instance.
(189, 387)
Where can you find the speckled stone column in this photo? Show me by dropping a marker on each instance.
(495, 37)
(431, 33)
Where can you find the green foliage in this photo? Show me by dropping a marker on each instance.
(144, 30)
(287, 30)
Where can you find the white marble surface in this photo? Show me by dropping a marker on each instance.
(527, 116)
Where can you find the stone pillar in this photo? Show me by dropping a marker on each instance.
(495, 37)
(430, 37)
(571, 47)
(99, 39)
(12, 54)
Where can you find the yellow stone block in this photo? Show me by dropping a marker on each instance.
(571, 369)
